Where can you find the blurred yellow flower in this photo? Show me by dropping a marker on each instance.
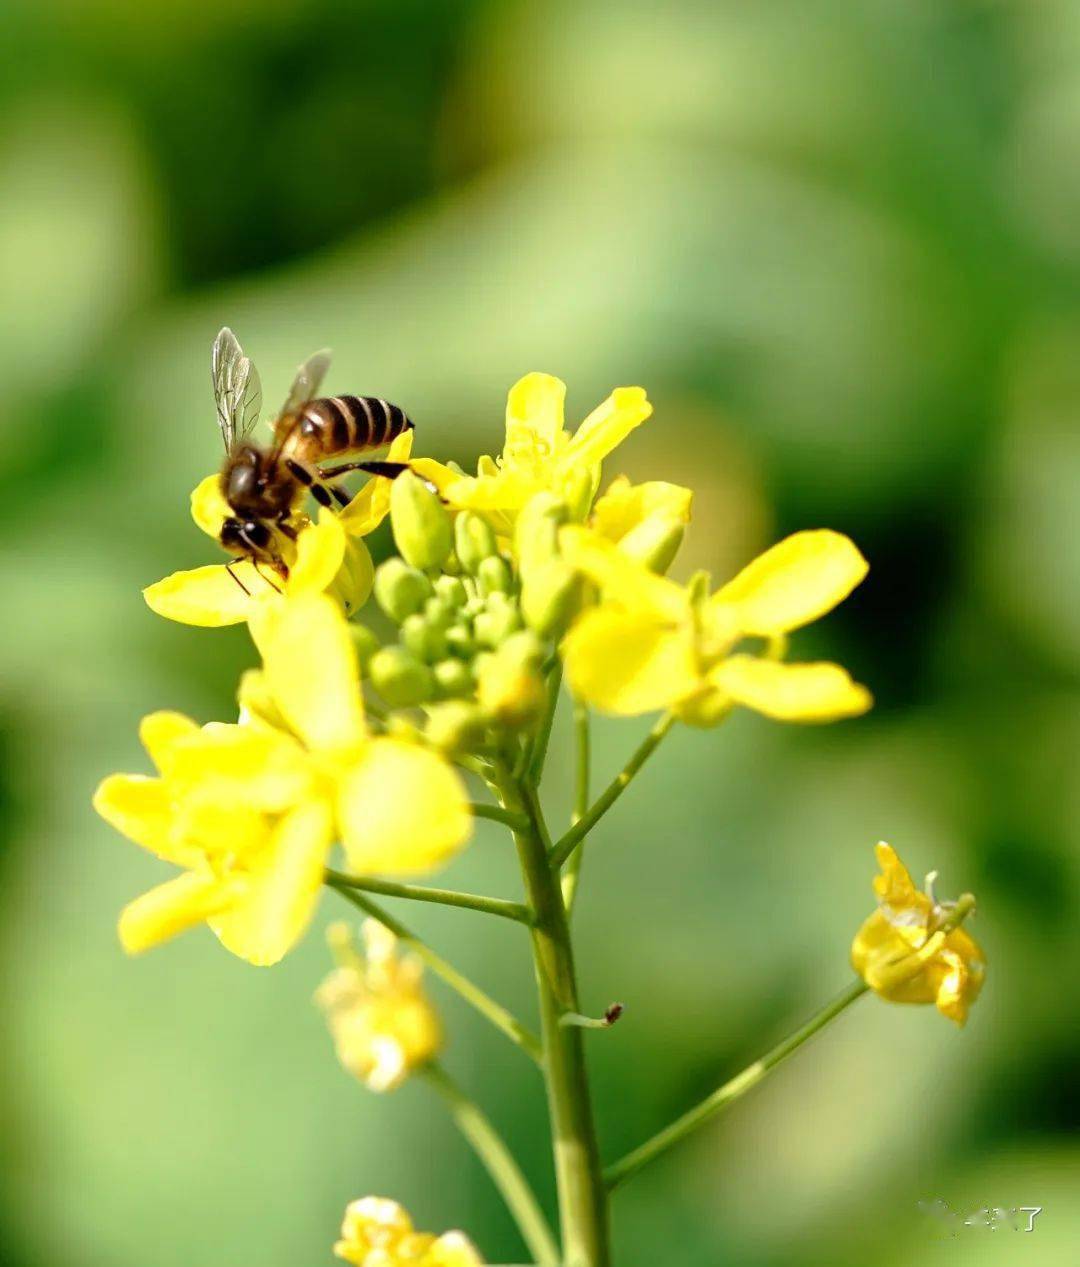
(250, 810)
(382, 1023)
(646, 521)
(540, 454)
(650, 643)
(377, 1232)
(326, 556)
(908, 952)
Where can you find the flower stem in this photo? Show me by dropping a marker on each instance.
(497, 815)
(499, 1162)
(573, 838)
(582, 1199)
(582, 746)
(422, 893)
(472, 994)
(730, 1091)
(537, 754)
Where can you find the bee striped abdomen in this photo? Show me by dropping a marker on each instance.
(342, 424)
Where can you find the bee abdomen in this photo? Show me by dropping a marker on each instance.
(339, 424)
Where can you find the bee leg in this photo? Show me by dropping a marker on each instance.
(309, 481)
(228, 568)
(286, 529)
(390, 470)
(262, 574)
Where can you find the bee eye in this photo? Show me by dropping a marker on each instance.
(258, 534)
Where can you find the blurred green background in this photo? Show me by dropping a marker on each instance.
(839, 243)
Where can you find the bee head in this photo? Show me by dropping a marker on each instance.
(245, 536)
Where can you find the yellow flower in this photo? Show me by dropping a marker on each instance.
(377, 1232)
(646, 521)
(539, 454)
(251, 810)
(381, 1021)
(327, 556)
(651, 643)
(908, 952)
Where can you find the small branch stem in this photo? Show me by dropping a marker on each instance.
(497, 815)
(582, 753)
(538, 751)
(499, 1162)
(422, 893)
(730, 1091)
(573, 838)
(472, 994)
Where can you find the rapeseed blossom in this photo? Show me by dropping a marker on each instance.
(908, 951)
(377, 1232)
(650, 643)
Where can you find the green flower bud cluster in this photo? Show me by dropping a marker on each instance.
(463, 652)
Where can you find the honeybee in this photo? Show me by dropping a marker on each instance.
(263, 485)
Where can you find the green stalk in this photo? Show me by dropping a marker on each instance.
(582, 746)
(730, 1091)
(573, 838)
(424, 893)
(582, 1198)
(472, 994)
(494, 812)
(499, 1162)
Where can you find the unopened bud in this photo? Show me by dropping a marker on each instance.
(365, 642)
(452, 589)
(400, 590)
(452, 677)
(510, 689)
(422, 528)
(493, 575)
(454, 726)
(473, 541)
(460, 640)
(654, 542)
(495, 626)
(580, 491)
(400, 678)
(422, 639)
(536, 533)
(551, 596)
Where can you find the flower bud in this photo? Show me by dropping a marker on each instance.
(474, 541)
(551, 597)
(459, 639)
(400, 590)
(439, 613)
(454, 726)
(422, 640)
(495, 626)
(493, 575)
(580, 490)
(510, 689)
(365, 642)
(453, 677)
(654, 542)
(536, 534)
(400, 678)
(451, 588)
(421, 525)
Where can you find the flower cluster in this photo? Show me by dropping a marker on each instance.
(377, 1232)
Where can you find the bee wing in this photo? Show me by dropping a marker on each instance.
(308, 380)
(237, 388)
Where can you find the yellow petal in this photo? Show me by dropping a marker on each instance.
(280, 889)
(607, 426)
(534, 413)
(209, 508)
(160, 732)
(320, 549)
(140, 809)
(621, 579)
(170, 909)
(626, 506)
(791, 692)
(241, 767)
(207, 596)
(353, 585)
(402, 810)
(626, 662)
(895, 887)
(794, 582)
(371, 504)
(311, 669)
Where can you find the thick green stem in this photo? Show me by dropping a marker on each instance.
(472, 994)
(730, 1091)
(572, 875)
(423, 893)
(500, 1165)
(582, 1198)
(565, 847)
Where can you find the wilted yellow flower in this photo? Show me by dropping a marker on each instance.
(382, 1023)
(908, 951)
(377, 1232)
(540, 455)
(326, 556)
(651, 643)
(251, 810)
